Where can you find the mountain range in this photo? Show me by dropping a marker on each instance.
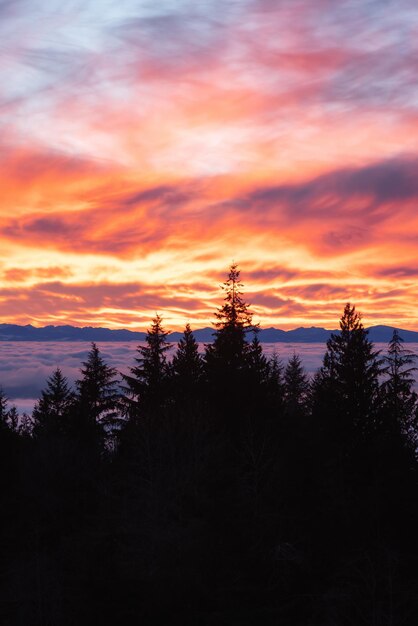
(14, 332)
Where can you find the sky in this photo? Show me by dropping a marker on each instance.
(145, 146)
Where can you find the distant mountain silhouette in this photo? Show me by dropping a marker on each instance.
(14, 332)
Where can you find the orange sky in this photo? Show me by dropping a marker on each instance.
(145, 148)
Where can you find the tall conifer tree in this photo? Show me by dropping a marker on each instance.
(51, 412)
(228, 352)
(399, 397)
(348, 382)
(97, 397)
(187, 365)
(296, 386)
(146, 385)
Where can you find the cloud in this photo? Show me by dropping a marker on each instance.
(393, 180)
(18, 274)
(34, 362)
(396, 272)
(136, 221)
(163, 140)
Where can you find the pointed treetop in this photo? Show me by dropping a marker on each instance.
(97, 387)
(187, 362)
(145, 383)
(51, 411)
(350, 320)
(234, 313)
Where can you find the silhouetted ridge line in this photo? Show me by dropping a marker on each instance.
(15, 332)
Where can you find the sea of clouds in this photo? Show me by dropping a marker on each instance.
(25, 366)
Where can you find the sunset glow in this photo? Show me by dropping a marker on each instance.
(147, 145)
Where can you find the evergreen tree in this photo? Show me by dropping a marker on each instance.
(51, 413)
(187, 364)
(349, 375)
(9, 418)
(146, 385)
(275, 383)
(97, 396)
(296, 386)
(399, 397)
(257, 363)
(4, 411)
(228, 352)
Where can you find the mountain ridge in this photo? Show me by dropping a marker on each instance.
(312, 334)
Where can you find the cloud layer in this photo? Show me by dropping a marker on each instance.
(145, 146)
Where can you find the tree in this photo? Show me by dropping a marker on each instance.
(399, 397)
(97, 398)
(296, 386)
(4, 411)
(8, 415)
(257, 363)
(187, 364)
(274, 387)
(51, 412)
(146, 384)
(350, 375)
(228, 353)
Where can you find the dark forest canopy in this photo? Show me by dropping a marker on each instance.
(216, 488)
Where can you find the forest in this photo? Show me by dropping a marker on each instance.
(222, 488)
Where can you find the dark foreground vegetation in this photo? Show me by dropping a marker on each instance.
(221, 489)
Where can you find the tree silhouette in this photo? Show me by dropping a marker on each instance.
(4, 411)
(350, 374)
(97, 396)
(296, 386)
(229, 349)
(399, 397)
(257, 363)
(187, 363)
(51, 412)
(146, 385)
(275, 384)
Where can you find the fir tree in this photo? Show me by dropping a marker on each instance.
(399, 397)
(229, 350)
(97, 397)
(257, 363)
(187, 364)
(296, 386)
(4, 411)
(9, 418)
(146, 385)
(51, 412)
(14, 421)
(275, 382)
(350, 374)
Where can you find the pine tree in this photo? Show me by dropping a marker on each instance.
(51, 412)
(296, 386)
(275, 383)
(399, 397)
(257, 363)
(97, 396)
(348, 381)
(4, 411)
(9, 418)
(14, 421)
(187, 364)
(146, 385)
(228, 352)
